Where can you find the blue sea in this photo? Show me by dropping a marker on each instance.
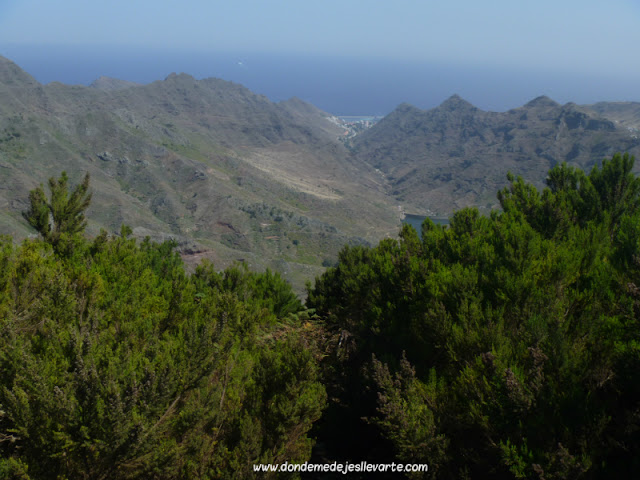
(345, 86)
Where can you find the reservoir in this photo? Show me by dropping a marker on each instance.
(416, 221)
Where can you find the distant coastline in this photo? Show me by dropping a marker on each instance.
(359, 118)
(338, 85)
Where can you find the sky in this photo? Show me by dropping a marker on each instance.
(591, 40)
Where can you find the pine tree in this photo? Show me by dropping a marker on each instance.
(60, 219)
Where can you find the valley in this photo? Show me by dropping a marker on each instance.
(226, 173)
(231, 176)
(453, 347)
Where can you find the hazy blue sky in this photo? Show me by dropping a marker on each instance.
(557, 37)
(585, 35)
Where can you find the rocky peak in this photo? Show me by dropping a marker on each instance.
(542, 101)
(456, 103)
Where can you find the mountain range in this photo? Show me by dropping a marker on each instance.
(230, 175)
(223, 171)
(456, 155)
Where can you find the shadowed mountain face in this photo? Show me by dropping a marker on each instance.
(456, 155)
(227, 173)
(623, 114)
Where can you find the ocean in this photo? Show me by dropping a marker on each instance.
(344, 86)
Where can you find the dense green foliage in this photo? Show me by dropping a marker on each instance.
(505, 346)
(114, 363)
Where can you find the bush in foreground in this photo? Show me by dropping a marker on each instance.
(114, 363)
(504, 346)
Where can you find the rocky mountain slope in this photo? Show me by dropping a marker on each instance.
(456, 155)
(623, 114)
(224, 171)
(231, 175)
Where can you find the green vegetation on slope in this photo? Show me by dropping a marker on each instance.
(186, 159)
(503, 346)
(116, 364)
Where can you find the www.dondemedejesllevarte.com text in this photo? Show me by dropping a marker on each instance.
(344, 468)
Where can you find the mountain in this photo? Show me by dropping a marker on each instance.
(456, 155)
(623, 114)
(306, 114)
(231, 176)
(227, 173)
(110, 84)
(11, 75)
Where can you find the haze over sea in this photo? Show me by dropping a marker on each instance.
(339, 85)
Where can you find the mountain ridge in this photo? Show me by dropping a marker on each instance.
(14, 76)
(233, 176)
(226, 172)
(456, 155)
(110, 84)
